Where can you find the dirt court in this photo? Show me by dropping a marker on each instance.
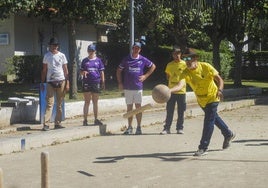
(153, 160)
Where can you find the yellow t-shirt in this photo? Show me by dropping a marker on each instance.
(174, 70)
(201, 80)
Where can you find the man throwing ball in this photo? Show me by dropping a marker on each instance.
(207, 85)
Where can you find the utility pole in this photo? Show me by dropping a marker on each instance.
(131, 40)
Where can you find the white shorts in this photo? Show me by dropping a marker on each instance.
(133, 96)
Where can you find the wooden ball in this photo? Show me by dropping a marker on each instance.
(161, 93)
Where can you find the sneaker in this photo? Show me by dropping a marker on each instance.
(45, 128)
(180, 131)
(138, 131)
(227, 140)
(59, 127)
(165, 131)
(200, 152)
(98, 122)
(128, 131)
(85, 123)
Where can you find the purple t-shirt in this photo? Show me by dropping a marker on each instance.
(93, 67)
(132, 69)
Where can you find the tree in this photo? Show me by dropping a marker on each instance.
(8, 7)
(72, 11)
(67, 12)
(240, 25)
(150, 18)
(231, 19)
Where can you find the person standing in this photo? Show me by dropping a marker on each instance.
(173, 71)
(93, 80)
(207, 85)
(55, 73)
(130, 76)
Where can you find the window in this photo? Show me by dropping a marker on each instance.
(4, 39)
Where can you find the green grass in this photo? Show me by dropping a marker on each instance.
(249, 83)
(22, 90)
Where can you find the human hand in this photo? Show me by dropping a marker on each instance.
(220, 95)
(103, 85)
(84, 74)
(142, 78)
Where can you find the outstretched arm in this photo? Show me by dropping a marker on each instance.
(178, 87)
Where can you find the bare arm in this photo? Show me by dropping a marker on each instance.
(148, 73)
(44, 73)
(220, 83)
(119, 78)
(102, 79)
(66, 75)
(178, 87)
(167, 76)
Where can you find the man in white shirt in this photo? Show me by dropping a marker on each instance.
(55, 73)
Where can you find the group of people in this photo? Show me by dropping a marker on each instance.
(133, 70)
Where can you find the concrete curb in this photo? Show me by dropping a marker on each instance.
(29, 111)
(41, 139)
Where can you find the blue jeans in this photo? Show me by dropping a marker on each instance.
(212, 118)
(180, 99)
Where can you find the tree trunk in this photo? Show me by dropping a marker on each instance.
(238, 64)
(216, 54)
(72, 63)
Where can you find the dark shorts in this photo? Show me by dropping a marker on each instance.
(89, 87)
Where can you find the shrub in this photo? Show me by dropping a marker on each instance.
(27, 68)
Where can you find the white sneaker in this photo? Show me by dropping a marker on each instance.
(165, 131)
(128, 131)
(180, 131)
(200, 152)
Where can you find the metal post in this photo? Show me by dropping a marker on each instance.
(131, 40)
(44, 170)
(1, 179)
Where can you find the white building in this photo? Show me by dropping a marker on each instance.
(21, 35)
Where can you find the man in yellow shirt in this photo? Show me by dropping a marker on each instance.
(173, 71)
(207, 85)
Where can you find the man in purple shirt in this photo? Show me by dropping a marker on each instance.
(93, 80)
(131, 81)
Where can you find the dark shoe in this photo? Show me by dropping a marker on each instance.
(45, 128)
(98, 122)
(165, 131)
(59, 127)
(138, 131)
(227, 140)
(200, 152)
(85, 123)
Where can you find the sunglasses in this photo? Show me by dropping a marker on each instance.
(187, 58)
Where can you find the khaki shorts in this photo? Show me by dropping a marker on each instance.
(133, 96)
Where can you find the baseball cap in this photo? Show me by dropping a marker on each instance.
(91, 47)
(53, 41)
(137, 44)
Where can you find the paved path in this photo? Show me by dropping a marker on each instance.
(152, 160)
